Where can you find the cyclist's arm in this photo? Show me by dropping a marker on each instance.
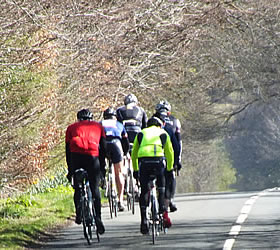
(144, 119)
(102, 150)
(169, 153)
(134, 154)
(125, 144)
(67, 150)
(124, 140)
(178, 137)
(68, 156)
(119, 115)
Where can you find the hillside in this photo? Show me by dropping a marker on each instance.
(212, 60)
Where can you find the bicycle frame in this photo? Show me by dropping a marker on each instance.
(86, 205)
(155, 218)
(111, 192)
(130, 185)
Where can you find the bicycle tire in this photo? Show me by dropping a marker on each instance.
(94, 223)
(153, 213)
(85, 226)
(115, 206)
(128, 198)
(128, 201)
(110, 198)
(132, 194)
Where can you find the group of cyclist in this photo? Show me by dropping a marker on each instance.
(154, 144)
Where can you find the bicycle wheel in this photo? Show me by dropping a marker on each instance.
(110, 198)
(126, 188)
(153, 213)
(94, 224)
(84, 219)
(131, 194)
(115, 205)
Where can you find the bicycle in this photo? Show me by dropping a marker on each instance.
(88, 213)
(111, 192)
(154, 217)
(129, 186)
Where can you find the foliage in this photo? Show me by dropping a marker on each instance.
(48, 182)
(211, 59)
(254, 147)
(29, 216)
(207, 169)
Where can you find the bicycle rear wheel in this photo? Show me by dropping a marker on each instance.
(115, 206)
(154, 219)
(131, 193)
(86, 227)
(95, 227)
(110, 198)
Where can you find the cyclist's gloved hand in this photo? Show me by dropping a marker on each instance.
(170, 175)
(69, 176)
(103, 172)
(102, 182)
(135, 175)
(179, 166)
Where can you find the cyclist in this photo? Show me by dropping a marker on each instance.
(170, 176)
(133, 117)
(163, 109)
(117, 146)
(152, 144)
(85, 148)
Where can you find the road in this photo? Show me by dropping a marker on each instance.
(205, 221)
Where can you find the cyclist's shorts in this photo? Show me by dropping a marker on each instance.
(132, 132)
(114, 148)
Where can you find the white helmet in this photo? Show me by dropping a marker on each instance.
(131, 98)
(163, 106)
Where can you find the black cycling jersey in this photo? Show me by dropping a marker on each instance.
(134, 118)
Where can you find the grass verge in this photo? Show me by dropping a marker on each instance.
(29, 218)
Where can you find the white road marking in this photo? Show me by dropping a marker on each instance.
(244, 212)
(228, 244)
(241, 218)
(235, 230)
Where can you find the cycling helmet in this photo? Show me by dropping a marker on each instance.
(163, 106)
(84, 114)
(131, 98)
(154, 121)
(109, 112)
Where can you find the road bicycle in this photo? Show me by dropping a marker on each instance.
(88, 214)
(129, 185)
(155, 218)
(111, 192)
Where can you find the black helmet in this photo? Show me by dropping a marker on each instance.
(161, 115)
(131, 98)
(154, 121)
(109, 113)
(84, 114)
(163, 106)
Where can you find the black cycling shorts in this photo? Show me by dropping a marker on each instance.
(115, 151)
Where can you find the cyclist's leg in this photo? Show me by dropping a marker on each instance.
(120, 183)
(170, 188)
(77, 161)
(161, 196)
(94, 172)
(161, 187)
(167, 189)
(117, 159)
(172, 205)
(144, 201)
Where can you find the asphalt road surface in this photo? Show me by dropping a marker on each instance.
(205, 221)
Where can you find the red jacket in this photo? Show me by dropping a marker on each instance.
(84, 137)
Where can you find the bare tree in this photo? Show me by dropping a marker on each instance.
(211, 59)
